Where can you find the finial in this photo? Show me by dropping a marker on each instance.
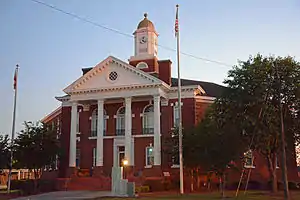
(177, 5)
(145, 15)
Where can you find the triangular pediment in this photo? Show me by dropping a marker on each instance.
(112, 73)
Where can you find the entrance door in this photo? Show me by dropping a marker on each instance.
(121, 155)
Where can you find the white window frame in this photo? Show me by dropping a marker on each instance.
(141, 64)
(148, 165)
(176, 115)
(120, 120)
(94, 122)
(148, 120)
(77, 123)
(246, 165)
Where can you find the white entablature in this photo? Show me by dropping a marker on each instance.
(113, 74)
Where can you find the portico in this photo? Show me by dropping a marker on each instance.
(145, 87)
(126, 140)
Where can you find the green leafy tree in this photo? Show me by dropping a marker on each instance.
(213, 145)
(36, 147)
(257, 90)
(4, 151)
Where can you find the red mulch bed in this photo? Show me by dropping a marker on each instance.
(8, 196)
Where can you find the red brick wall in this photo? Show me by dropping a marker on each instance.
(65, 140)
(200, 109)
(165, 71)
(152, 65)
(108, 155)
(140, 145)
(192, 113)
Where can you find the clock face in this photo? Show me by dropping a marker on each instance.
(143, 40)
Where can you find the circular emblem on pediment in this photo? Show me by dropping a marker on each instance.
(113, 76)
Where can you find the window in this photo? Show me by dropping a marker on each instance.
(94, 122)
(176, 115)
(175, 150)
(77, 157)
(113, 76)
(142, 65)
(148, 120)
(94, 156)
(149, 156)
(120, 125)
(248, 159)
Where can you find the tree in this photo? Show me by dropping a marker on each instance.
(213, 145)
(257, 88)
(210, 146)
(4, 151)
(36, 147)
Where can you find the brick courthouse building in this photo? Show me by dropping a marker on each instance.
(118, 110)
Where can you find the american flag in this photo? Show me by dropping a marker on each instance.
(16, 77)
(176, 23)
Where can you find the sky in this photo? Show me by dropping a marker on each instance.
(51, 47)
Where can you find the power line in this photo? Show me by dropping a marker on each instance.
(124, 34)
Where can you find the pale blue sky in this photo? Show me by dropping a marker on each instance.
(51, 47)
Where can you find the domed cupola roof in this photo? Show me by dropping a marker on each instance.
(146, 23)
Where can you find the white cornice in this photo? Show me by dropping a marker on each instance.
(115, 88)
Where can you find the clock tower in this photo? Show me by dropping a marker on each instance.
(145, 47)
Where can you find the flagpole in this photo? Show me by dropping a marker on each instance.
(13, 128)
(179, 105)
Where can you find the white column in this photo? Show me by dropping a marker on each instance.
(157, 142)
(115, 154)
(100, 128)
(128, 130)
(72, 154)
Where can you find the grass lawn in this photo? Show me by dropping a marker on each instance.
(254, 195)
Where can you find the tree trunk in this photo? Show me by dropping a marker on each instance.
(198, 179)
(223, 185)
(192, 180)
(208, 181)
(272, 171)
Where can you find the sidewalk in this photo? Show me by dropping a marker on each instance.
(68, 195)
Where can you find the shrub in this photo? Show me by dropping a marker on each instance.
(294, 186)
(254, 185)
(46, 185)
(26, 186)
(141, 189)
(154, 184)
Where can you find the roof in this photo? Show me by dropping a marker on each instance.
(146, 23)
(52, 115)
(211, 89)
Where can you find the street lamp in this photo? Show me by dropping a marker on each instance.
(125, 163)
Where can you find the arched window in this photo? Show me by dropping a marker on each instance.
(94, 122)
(148, 120)
(120, 125)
